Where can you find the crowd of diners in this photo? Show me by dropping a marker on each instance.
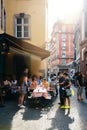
(11, 87)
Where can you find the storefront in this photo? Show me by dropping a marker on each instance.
(16, 55)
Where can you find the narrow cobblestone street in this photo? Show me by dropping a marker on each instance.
(54, 118)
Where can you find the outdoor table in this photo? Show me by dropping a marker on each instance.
(41, 92)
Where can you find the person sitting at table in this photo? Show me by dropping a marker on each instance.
(7, 87)
(29, 81)
(6, 82)
(13, 84)
(46, 84)
(34, 83)
(38, 79)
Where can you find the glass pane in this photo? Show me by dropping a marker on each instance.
(63, 28)
(26, 28)
(63, 36)
(25, 34)
(63, 44)
(19, 28)
(63, 49)
(19, 34)
(25, 20)
(19, 20)
(64, 61)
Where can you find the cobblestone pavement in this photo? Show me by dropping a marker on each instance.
(54, 118)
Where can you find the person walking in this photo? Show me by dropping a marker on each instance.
(67, 85)
(61, 86)
(79, 86)
(56, 85)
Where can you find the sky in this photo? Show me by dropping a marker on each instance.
(60, 9)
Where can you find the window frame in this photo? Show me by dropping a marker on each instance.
(22, 25)
(63, 44)
(63, 54)
(64, 61)
(63, 28)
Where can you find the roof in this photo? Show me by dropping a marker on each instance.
(24, 46)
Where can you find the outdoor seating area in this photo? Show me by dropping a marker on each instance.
(40, 98)
(38, 95)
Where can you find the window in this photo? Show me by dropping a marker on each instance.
(63, 28)
(64, 61)
(22, 26)
(69, 29)
(63, 48)
(63, 44)
(63, 54)
(63, 37)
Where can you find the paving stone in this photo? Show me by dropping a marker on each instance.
(54, 118)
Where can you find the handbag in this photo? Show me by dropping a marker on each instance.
(68, 92)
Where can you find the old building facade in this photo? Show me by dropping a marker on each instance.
(61, 46)
(80, 40)
(25, 20)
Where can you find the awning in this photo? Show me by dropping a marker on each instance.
(24, 46)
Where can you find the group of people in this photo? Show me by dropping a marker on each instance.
(10, 86)
(64, 89)
(60, 83)
(27, 84)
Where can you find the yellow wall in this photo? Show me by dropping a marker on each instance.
(9, 64)
(37, 10)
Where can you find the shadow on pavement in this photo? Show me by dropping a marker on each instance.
(62, 120)
(31, 114)
(82, 110)
(6, 115)
(34, 113)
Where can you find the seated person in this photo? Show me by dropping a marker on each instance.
(33, 84)
(14, 81)
(29, 81)
(7, 86)
(6, 83)
(14, 84)
(46, 84)
(2, 94)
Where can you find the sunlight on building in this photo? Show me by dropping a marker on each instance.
(64, 9)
